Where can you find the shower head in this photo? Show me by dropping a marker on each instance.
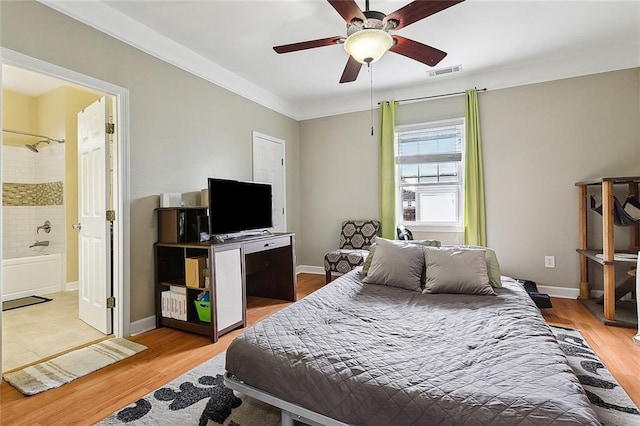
(34, 147)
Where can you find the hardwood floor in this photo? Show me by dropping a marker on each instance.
(171, 353)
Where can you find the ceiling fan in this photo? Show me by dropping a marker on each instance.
(368, 36)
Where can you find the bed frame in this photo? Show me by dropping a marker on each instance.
(290, 412)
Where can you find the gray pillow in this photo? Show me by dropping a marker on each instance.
(396, 264)
(493, 267)
(457, 270)
(372, 249)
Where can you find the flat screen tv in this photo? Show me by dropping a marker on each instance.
(236, 206)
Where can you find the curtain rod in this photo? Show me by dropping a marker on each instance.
(436, 96)
(19, 132)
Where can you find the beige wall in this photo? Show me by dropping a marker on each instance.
(183, 129)
(538, 140)
(51, 113)
(339, 180)
(22, 117)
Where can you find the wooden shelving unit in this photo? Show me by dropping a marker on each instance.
(170, 273)
(587, 253)
(261, 265)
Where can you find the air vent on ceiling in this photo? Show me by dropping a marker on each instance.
(443, 71)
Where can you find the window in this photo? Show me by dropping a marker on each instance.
(429, 170)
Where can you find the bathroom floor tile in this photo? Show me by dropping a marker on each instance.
(39, 331)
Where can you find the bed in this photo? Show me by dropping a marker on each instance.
(355, 352)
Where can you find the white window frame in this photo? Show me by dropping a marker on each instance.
(431, 226)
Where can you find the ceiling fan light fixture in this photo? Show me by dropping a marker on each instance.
(368, 45)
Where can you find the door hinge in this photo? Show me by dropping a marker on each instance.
(111, 302)
(111, 215)
(110, 128)
(282, 161)
(283, 210)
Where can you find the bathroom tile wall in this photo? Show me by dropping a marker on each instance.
(19, 165)
(33, 185)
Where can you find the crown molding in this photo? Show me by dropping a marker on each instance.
(101, 17)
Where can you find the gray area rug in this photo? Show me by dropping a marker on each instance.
(200, 397)
(610, 402)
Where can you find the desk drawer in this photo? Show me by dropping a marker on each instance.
(269, 244)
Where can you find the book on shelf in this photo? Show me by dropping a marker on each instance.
(174, 303)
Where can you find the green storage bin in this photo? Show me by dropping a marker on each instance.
(204, 313)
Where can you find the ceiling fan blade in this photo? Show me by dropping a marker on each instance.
(348, 9)
(351, 71)
(303, 45)
(418, 10)
(420, 52)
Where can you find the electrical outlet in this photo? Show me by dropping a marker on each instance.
(549, 261)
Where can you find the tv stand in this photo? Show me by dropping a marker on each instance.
(255, 265)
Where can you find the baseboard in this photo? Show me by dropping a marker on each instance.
(143, 325)
(308, 269)
(72, 286)
(561, 292)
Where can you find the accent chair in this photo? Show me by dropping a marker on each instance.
(356, 238)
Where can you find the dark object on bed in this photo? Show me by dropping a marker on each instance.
(404, 233)
(356, 237)
(371, 354)
(542, 300)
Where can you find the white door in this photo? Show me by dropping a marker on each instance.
(94, 244)
(268, 167)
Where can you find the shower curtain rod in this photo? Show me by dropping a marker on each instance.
(445, 95)
(19, 132)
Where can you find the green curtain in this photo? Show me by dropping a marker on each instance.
(387, 169)
(474, 213)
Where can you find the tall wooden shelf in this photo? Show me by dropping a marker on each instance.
(587, 253)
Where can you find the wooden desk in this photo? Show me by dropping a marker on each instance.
(262, 265)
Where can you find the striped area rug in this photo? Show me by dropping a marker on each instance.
(67, 367)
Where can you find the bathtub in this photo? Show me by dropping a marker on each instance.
(31, 274)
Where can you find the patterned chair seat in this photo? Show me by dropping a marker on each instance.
(355, 239)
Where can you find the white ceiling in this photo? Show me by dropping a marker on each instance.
(497, 43)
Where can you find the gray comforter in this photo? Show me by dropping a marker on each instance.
(375, 355)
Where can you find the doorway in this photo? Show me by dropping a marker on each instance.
(72, 83)
(268, 167)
